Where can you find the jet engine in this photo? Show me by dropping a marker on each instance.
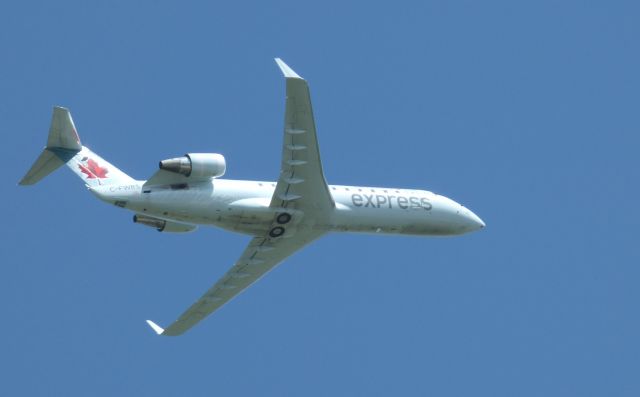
(196, 165)
(163, 226)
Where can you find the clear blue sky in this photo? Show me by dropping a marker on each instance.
(527, 112)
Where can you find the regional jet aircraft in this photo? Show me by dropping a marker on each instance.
(281, 217)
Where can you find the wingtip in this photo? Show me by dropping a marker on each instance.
(286, 70)
(158, 329)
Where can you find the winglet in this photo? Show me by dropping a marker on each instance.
(158, 329)
(286, 70)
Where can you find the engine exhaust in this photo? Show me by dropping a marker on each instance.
(179, 165)
(158, 224)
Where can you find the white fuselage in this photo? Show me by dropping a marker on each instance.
(282, 216)
(244, 207)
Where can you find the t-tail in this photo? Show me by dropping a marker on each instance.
(64, 147)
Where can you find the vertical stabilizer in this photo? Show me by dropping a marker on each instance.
(62, 133)
(64, 147)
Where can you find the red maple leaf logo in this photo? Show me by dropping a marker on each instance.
(93, 170)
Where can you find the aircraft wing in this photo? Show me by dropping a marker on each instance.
(301, 184)
(301, 193)
(262, 255)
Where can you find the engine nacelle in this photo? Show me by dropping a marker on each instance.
(196, 165)
(163, 226)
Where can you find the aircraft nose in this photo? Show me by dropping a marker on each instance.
(461, 219)
(474, 221)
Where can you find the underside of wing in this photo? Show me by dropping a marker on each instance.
(262, 255)
(301, 184)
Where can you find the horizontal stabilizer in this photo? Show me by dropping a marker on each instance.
(158, 329)
(44, 165)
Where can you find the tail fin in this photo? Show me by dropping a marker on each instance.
(64, 147)
(63, 143)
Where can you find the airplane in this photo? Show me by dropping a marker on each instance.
(281, 217)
